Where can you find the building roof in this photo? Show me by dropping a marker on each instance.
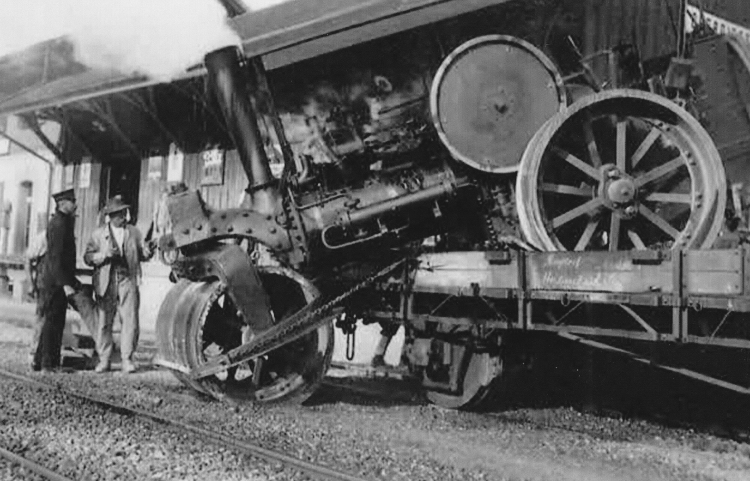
(283, 34)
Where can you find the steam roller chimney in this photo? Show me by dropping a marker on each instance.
(228, 81)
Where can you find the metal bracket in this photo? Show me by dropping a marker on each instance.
(648, 257)
(232, 265)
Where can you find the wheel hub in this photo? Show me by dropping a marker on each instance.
(619, 189)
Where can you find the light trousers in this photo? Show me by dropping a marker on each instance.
(122, 298)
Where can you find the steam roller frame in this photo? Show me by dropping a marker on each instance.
(621, 170)
(198, 320)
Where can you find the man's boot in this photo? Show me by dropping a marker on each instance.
(128, 367)
(102, 366)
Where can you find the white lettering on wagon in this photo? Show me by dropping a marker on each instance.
(599, 281)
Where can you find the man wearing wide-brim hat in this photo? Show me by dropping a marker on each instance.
(116, 251)
(56, 281)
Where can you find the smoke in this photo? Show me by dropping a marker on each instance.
(157, 38)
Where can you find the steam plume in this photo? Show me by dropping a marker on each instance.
(158, 38)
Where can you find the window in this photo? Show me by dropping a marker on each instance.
(24, 217)
(4, 141)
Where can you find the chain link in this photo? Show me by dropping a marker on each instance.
(297, 325)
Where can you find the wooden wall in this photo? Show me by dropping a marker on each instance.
(649, 24)
(88, 215)
(224, 196)
(90, 195)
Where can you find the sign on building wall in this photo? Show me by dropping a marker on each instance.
(175, 163)
(213, 167)
(84, 175)
(69, 176)
(154, 167)
(41, 221)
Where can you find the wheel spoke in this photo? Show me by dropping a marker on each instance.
(660, 171)
(658, 221)
(636, 240)
(582, 209)
(622, 128)
(588, 133)
(567, 189)
(577, 163)
(257, 371)
(669, 197)
(588, 233)
(614, 232)
(644, 147)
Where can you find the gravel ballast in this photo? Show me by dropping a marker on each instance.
(374, 437)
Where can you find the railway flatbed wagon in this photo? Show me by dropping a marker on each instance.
(481, 300)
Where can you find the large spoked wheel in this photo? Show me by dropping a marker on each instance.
(621, 170)
(204, 323)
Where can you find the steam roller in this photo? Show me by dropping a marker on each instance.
(621, 170)
(615, 170)
(488, 99)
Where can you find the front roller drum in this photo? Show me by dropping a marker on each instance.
(198, 321)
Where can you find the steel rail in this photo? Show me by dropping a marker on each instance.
(315, 470)
(35, 467)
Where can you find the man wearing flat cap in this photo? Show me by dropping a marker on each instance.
(116, 251)
(56, 281)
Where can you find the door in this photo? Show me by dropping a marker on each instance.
(122, 177)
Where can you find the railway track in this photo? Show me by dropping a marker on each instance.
(32, 466)
(243, 447)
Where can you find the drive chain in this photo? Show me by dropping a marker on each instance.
(297, 325)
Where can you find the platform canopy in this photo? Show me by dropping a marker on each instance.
(47, 74)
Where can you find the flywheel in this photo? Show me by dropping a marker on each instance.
(199, 321)
(490, 96)
(621, 170)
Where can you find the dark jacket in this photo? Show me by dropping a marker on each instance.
(59, 264)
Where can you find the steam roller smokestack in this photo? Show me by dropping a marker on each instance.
(229, 84)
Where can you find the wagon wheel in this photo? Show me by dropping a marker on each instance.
(621, 170)
(206, 324)
(478, 381)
